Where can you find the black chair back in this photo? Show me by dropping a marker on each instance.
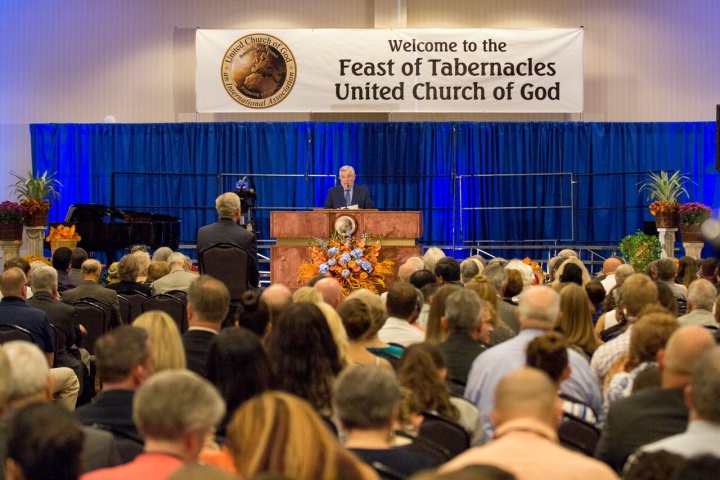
(578, 435)
(131, 305)
(426, 447)
(170, 304)
(682, 306)
(95, 317)
(9, 333)
(445, 432)
(229, 264)
(386, 473)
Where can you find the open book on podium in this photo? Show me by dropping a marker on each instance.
(296, 231)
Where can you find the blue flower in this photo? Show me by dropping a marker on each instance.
(346, 273)
(323, 268)
(332, 251)
(344, 258)
(332, 262)
(367, 266)
(357, 253)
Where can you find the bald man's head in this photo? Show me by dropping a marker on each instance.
(610, 265)
(277, 297)
(539, 307)
(527, 393)
(330, 289)
(12, 282)
(682, 352)
(407, 269)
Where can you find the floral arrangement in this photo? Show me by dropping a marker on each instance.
(538, 273)
(36, 207)
(61, 232)
(694, 213)
(12, 212)
(661, 206)
(350, 260)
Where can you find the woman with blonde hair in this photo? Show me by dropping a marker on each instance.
(431, 257)
(167, 347)
(488, 295)
(307, 294)
(556, 284)
(576, 320)
(280, 433)
(338, 333)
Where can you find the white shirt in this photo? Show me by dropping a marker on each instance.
(397, 330)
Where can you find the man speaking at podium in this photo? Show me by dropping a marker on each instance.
(347, 193)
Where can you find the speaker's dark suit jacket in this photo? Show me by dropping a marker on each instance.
(226, 230)
(63, 317)
(642, 418)
(360, 197)
(197, 345)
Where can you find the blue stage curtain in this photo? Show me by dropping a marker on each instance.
(565, 182)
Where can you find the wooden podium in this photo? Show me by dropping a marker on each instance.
(295, 232)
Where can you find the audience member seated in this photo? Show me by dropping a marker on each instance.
(377, 312)
(178, 277)
(239, 368)
(607, 274)
(658, 465)
(525, 271)
(330, 290)
(469, 269)
(175, 411)
(497, 277)
(538, 313)
(700, 303)
(337, 329)
(281, 434)
(487, 293)
(14, 311)
(157, 269)
(650, 335)
(304, 356)
(571, 274)
(687, 271)
(526, 441)
(612, 315)
(423, 372)
(701, 467)
(513, 286)
(357, 320)
(447, 271)
(22, 264)
(584, 275)
(431, 257)
(208, 306)
(666, 271)
(143, 258)
(655, 412)
(44, 442)
(167, 346)
(91, 288)
(128, 271)
(124, 360)
(61, 261)
(79, 255)
(366, 401)
(638, 290)
(402, 313)
(29, 382)
(702, 436)
(596, 293)
(60, 315)
(277, 297)
(666, 298)
(708, 269)
(435, 332)
(307, 294)
(112, 274)
(576, 320)
(468, 326)
(254, 314)
(549, 353)
(162, 254)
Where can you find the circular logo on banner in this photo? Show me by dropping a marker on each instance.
(258, 71)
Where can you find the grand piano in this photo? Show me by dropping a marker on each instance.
(106, 229)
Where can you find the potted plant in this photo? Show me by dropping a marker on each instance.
(640, 249)
(12, 216)
(665, 189)
(36, 193)
(692, 216)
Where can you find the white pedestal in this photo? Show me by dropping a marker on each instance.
(35, 236)
(10, 249)
(667, 241)
(693, 249)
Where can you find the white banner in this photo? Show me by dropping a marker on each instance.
(479, 70)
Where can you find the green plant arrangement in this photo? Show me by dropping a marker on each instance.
(665, 190)
(694, 213)
(640, 249)
(37, 192)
